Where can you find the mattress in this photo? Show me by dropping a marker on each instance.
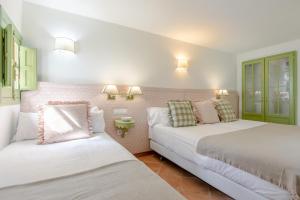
(183, 141)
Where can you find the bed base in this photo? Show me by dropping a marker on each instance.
(218, 181)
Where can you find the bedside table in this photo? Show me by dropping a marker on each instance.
(123, 126)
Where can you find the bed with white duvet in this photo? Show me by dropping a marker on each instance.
(179, 145)
(93, 168)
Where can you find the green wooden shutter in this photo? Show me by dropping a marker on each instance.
(1, 56)
(8, 57)
(28, 69)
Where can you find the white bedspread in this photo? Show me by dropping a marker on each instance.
(29, 162)
(183, 141)
(192, 134)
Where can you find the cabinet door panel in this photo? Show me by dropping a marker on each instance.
(258, 88)
(28, 71)
(253, 90)
(248, 88)
(280, 102)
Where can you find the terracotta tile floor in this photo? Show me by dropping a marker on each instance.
(187, 184)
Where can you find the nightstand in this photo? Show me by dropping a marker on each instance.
(123, 126)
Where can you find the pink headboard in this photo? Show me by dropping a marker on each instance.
(137, 140)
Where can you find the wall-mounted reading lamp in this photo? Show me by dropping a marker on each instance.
(221, 93)
(111, 91)
(132, 91)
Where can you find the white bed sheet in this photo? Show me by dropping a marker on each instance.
(26, 162)
(183, 141)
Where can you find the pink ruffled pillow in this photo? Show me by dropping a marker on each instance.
(63, 121)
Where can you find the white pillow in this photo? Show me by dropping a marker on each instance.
(27, 126)
(98, 122)
(158, 115)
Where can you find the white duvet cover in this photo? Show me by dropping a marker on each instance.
(183, 141)
(26, 162)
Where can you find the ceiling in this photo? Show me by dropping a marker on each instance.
(227, 25)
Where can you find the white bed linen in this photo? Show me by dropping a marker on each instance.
(25, 162)
(183, 141)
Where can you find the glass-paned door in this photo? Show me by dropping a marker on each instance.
(253, 90)
(279, 76)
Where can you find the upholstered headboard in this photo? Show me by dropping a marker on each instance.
(137, 139)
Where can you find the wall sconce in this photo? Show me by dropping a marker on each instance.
(111, 91)
(132, 91)
(64, 44)
(221, 93)
(182, 63)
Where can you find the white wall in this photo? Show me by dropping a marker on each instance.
(14, 9)
(109, 53)
(268, 51)
(8, 125)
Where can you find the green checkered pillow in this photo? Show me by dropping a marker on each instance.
(181, 113)
(225, 111)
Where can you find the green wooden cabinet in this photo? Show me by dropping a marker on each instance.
(269, 89)
(28, 70)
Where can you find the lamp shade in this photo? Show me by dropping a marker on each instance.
(134, 90)
(110, 89)
(182, 62)
(64, 44)
(222, 92)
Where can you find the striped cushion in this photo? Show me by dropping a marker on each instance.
(181, 113)
(225, 111)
